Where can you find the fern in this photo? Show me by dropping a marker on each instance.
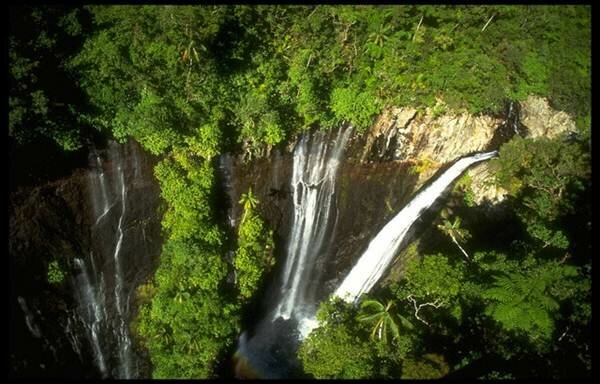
(523, 301)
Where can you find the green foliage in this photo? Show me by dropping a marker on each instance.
(524, 302)
(206, 143)
(422, 165)
(543, 175)
(55, 274)
(254, 256)
(157, 73)
(151, 122)
(249, 202)
(463, 185)
(434, 278)
(359, 108)
(430, 366)
(189, 322)
(455, 232)
(336, 350)
(42, 97)
(383, 319)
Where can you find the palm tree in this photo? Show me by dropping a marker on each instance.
(249, 201)
(456, 233)
(379, 36)
(383, 318)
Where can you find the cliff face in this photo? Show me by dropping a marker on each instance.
(380, 173)
(45, 223)
(404, 134)
(539, 120)
(53, 221)
(383, 169)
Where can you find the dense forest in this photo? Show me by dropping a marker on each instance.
(192, 82)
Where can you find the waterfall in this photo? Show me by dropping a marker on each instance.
(98, 181)
(315, 165)
(124, 341)
(384, 245)
(29, 318)
(105, 294)
(91, 304)
(226, 170)
(269, 351)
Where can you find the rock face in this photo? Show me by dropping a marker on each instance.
(407, 135)
(384, 168)
(422, 138)
(427, 140)
(542, 120)
(53, 221)
(45, 223)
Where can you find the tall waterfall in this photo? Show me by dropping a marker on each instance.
(384, 245)
(270, 349)
(104, 281)
(315, 165)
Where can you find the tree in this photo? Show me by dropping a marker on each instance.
(189, 321)
(523, 301)
(43, 99)
(456, 233)
(338, 348)
(432, 282)
(430, 366)
(383, 319)
(249, 202)
(544, 176)
(254, 256)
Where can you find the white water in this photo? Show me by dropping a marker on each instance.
(29, 318)
(105, 301)
(384, 245)
(123, 336)
(315, 167)
(92, 303)
(100, 180)
(226, 170)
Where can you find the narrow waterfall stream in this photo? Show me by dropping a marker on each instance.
(384, 245)
(91, 306)
(106, 280)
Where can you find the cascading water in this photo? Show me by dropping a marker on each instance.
(384, 245)
(91, 305)
(225, 168)
(315, 167)
(107, 278)
(270, 351)
(29, 318)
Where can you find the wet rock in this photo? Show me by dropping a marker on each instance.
(52, 221)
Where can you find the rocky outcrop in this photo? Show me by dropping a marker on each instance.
(409, 135)
(542, 120)
(429, 140)
(483, 190)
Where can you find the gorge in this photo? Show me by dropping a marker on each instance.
(299, 191)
